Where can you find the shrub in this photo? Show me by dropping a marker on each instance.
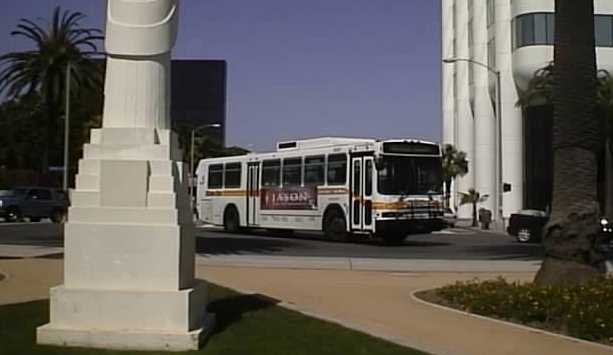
(582, 311)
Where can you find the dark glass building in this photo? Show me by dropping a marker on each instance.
(199, 96)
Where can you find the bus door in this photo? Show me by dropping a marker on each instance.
(253, 193)
(362, 169)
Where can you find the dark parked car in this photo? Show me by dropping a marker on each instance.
(527, 226)
(34, 203)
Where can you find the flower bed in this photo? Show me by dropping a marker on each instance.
(584, 312)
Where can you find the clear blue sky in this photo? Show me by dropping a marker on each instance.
(301, 68)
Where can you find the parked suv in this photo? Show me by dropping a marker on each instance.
(33, 202)
(527, 226)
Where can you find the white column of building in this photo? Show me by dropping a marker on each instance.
(464, 120)
(447, 77)
(512, 120)
(448, 94)
(485, 122)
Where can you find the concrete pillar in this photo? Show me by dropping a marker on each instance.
(464, 123)
(512, 118)
(485, 122)
(447, 79)
(129, 247)
(448, 92)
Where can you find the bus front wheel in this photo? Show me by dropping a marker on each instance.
(231, 222)
(335, 226)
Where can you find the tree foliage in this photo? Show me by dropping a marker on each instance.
(454, 164)
(42, 70)
(473, 197)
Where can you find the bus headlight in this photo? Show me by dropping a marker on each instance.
(603, 221)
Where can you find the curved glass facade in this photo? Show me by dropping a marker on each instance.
(537, 29)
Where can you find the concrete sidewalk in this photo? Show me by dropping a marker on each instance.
(378, 303)
(368, 264)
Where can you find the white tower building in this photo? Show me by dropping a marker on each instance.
(514, 37)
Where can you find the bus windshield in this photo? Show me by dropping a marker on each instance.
(410, 175)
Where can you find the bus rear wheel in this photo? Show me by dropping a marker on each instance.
(335, 227)
(231, 222)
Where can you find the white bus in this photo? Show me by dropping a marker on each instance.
(341, 186)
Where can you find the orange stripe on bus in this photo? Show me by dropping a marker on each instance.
(229, 193)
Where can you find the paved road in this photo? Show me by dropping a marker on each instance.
(453, 244)
(36, 234)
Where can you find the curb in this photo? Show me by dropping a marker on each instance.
(368, 264)
(507, 323)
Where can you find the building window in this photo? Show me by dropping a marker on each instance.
(533, 30)
(271, 173)
(604, 30)
(539, 29)
(215, 176)
(292, 172)
(337, 169)
(232, 175)
(314, 170)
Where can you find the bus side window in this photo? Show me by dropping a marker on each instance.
(337, 169)
(215, 176)
(292, 172)
(232, 175)
(271, 173)
(314, 170)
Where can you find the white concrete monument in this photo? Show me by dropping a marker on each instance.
(129, 243)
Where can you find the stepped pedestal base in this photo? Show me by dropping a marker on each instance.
(125, 339)
(129, 250)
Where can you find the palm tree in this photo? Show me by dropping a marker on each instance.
(44, 68)
(454, 165)
(571, 252)
(540, 92)
(540, 88)
(473, 197)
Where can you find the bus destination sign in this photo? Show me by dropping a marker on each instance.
(411, 148)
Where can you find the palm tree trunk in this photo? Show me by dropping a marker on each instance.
(50, 113)
(475, 224)
(571, 253)
(608, 162)
(447, 193)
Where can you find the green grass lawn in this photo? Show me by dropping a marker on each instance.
(246, 325)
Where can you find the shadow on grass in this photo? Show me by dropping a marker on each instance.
(231, 309)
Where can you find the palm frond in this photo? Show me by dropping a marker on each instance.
(34, 26)
(65, 41)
